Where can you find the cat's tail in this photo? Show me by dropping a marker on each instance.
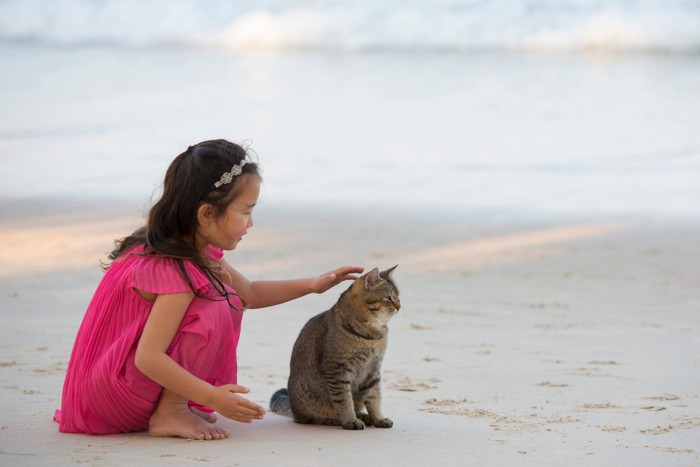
(279, 403)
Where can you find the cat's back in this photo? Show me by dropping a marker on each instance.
(309, 343)
(315, 328)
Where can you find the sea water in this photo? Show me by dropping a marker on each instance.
(575, 106)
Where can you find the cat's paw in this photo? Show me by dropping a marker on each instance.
(354, 425)
(384, 423)
(364, 417)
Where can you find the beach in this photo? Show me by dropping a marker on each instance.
(518, 343)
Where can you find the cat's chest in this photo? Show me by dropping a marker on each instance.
(365, 359)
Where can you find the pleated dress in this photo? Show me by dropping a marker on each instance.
(104, 392)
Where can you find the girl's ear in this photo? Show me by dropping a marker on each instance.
(205, 214)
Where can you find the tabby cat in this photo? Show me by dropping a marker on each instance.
(336, 360)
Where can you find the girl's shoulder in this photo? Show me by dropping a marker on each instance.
(162, 275)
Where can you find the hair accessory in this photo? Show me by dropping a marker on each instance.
(228, 176)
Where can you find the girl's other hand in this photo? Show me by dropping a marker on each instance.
(228, 403)
(335, 277)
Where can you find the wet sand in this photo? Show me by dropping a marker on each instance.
(520, 342)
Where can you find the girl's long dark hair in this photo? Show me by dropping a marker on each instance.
(172, 221)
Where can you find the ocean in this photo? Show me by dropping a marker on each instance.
(465, 106)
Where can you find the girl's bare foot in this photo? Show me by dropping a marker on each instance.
(173, 417)
(210, 417)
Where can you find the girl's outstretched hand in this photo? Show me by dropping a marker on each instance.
(228, 403)
(335, 277)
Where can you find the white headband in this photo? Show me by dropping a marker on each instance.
(228, 176)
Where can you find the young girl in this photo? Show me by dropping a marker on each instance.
(157, 347)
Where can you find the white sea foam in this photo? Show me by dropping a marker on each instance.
(363, 25)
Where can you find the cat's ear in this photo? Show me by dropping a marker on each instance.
(372, 278)
(388, 272)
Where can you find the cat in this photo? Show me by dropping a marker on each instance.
(337, 357)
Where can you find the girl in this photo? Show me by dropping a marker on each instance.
(157, 347)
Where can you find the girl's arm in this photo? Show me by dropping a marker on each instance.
(151, 359)
(260, 294)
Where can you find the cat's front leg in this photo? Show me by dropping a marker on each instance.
(360, 410)
(339, 390)
(372, 398)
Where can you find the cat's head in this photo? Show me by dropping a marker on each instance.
(378, 294)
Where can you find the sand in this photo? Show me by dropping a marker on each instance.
(521, 341)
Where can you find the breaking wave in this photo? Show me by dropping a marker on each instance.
(619, 26)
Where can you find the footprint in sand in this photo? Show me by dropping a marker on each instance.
(496, 421)
(605, 405)
(663, 397)
(681, 423)
(612, 429)
(454, 407)
(549, 384)
(407, 384)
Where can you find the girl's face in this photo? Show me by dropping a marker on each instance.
(229, 228)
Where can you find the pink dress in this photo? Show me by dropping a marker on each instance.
(104, 392)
